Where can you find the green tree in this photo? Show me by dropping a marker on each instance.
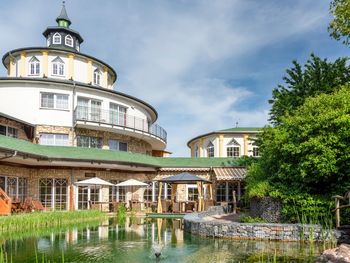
(339, 27)
(308, 154)
(316, 77)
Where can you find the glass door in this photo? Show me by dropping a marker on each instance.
(83, 109)
(95, 110)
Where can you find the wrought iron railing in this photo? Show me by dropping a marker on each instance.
(116, 118)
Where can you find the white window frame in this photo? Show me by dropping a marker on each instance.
(7, 133)
(97, 77)
(60, 69)
(118, 145)
(55, 37)
(194, 186)
(55, 106)
(210, 146)
(67, 38)
(34, 61)
(196, 151)
(253, 152)
(55, 139)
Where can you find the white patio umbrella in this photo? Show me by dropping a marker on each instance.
(95, 181)
(131, 183)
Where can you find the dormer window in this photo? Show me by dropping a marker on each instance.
(77, 45)
(233, 149)
(34, 66)
(56, 38)
(210, 150)
(97, 77)
(69, 40)
(57, 67)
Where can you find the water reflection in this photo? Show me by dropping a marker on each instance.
(134, 241)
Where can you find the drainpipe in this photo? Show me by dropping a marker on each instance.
(12, 155)
(73, 101)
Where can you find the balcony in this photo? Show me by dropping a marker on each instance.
(117, 119)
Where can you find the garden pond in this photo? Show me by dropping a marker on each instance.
(137, 240)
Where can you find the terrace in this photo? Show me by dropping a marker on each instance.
(90, 117)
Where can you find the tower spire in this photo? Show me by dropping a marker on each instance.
(62, 19)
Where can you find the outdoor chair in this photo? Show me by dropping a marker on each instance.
(176, 207)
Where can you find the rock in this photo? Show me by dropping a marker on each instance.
(339, 254)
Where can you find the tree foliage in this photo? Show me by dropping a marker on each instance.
(308, 154)
(339, 27)
(316, 77)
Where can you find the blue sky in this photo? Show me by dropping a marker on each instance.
(204, 65)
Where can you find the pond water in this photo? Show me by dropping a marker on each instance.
(134, 241)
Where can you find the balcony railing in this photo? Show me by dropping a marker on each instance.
(116, 118)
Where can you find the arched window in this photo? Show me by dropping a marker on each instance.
(196, 151)
(56, 38)
(69, 40)
(97, 77)
(57, 67)
(34, 66)
(210, 149)
(233, 149)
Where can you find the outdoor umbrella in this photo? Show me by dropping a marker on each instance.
(131, 183)
(94, 182)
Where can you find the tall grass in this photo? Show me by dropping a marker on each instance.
(42, 220)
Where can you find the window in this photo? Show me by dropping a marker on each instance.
(34, 66)
(54, 101)
(256, 151)
(83, 197)
(118, 145)
(147, 194)
(45, 192)
(89, 109)
(210, 150)
(117, 114)
(97, 77)
(221, 192)
(54, 139)
(233, 149)
(57, 67)
(192, 192)
(53, 193)
(8, 131)
(89, 142)
(196, 151)
(15, 187)
(69, 40)
(77, 45)
(56, 38)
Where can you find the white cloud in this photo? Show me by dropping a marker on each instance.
(169, 52)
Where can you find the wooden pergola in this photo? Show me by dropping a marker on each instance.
(184, 178)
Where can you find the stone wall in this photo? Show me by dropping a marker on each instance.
(267, 208)
(54, 129)
(199, 224)
(134, 145)
(71, 175)
(14, 124)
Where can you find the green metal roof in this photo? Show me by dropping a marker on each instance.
(99, 155)
(241, 129)
(230, 130)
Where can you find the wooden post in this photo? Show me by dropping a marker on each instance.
(234, 202)
(337, 212)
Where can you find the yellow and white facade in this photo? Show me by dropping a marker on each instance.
(234, 142)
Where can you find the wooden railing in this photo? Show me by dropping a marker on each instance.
(338, 198)
(5, 203)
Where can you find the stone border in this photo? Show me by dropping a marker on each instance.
(195, 223)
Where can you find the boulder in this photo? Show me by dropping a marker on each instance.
(339, 254)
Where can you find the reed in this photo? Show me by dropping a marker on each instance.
(45, 220)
